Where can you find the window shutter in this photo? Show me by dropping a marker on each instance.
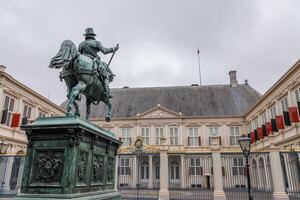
(264, 130)
(201, 171)
(220, 140)
(223, 171)
(199, 140)
(15, 120)
(294, 117)
(127, 170)
(286, 117)
(24, 120)
(279, 121)
(188, 141)
(4, 116)
(298, 105)
(119, 170)
(212, 170)
(274, 126)
(191, 171)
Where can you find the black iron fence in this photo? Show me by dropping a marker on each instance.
(11, 169)
(138, 176)
(235, 176)
(291, 172)
(191, 177)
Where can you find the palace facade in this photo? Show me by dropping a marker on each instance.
(190, 136)
(18, 105)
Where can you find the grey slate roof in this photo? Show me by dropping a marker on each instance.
(209, 100)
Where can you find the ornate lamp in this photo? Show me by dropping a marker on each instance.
(245, 145)
(3, 147)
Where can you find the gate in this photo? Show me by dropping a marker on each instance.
(291, 173)
(191, 177)
(235, 177)
(138, 176)
(11, 169)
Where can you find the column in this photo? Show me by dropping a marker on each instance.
(277, 176)
(218, 182)
(134, 171)
(182, 171)
(150, 183)
(116, 172)
(164, 173)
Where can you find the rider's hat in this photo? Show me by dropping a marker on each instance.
(89, 31)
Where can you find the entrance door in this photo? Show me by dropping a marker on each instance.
(208, 182)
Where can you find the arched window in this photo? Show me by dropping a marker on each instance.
(262, 173)
(174, 170)
(145, 170)
(157, 171)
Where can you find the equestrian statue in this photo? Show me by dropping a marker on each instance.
(85, 73)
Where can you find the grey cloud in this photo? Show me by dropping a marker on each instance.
(158, 39)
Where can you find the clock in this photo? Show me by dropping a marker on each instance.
(138, 143)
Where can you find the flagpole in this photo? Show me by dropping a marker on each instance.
(198, 53)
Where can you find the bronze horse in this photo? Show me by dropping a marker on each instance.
(81, 77)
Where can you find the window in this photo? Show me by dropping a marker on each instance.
(174, 170)
(9, 105)
(195, 166)
(42, 114)
(145, 170)
(238, 167)
(159, 133)
(126, 136)
(145, 135)
(249, 129)
(213, 132)
(173, 135)
(272, 112)
(297, 95)
(124, 166)
(193, 137)
(234, 135)
(157, 171)
(263, 119)
(27, 111)
(284, 104)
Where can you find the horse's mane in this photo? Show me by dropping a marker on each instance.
(65, 55)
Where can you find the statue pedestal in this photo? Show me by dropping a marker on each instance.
(69, 158)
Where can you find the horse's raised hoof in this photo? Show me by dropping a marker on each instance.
(107, 118)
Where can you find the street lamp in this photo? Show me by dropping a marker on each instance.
(245, 145)
(3, 147)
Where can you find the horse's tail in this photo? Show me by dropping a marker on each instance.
(65, 55)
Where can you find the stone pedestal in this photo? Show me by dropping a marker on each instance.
(69, 158)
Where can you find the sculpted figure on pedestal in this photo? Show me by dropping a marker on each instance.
(85, 73)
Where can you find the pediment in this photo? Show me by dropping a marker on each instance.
(159, 112)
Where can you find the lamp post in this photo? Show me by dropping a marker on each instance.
(138, 149)
(245, 145)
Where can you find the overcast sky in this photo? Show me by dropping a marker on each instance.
(158, 40)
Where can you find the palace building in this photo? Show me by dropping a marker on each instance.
(190, 136)
(18, 105)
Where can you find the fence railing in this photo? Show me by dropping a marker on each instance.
(235, 176)
(11, 170)
(291, 172)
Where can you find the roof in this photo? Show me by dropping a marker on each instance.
(209, 100)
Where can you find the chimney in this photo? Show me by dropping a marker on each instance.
(2, 68)
(233, 80)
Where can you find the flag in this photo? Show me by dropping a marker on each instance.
(198, 51)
